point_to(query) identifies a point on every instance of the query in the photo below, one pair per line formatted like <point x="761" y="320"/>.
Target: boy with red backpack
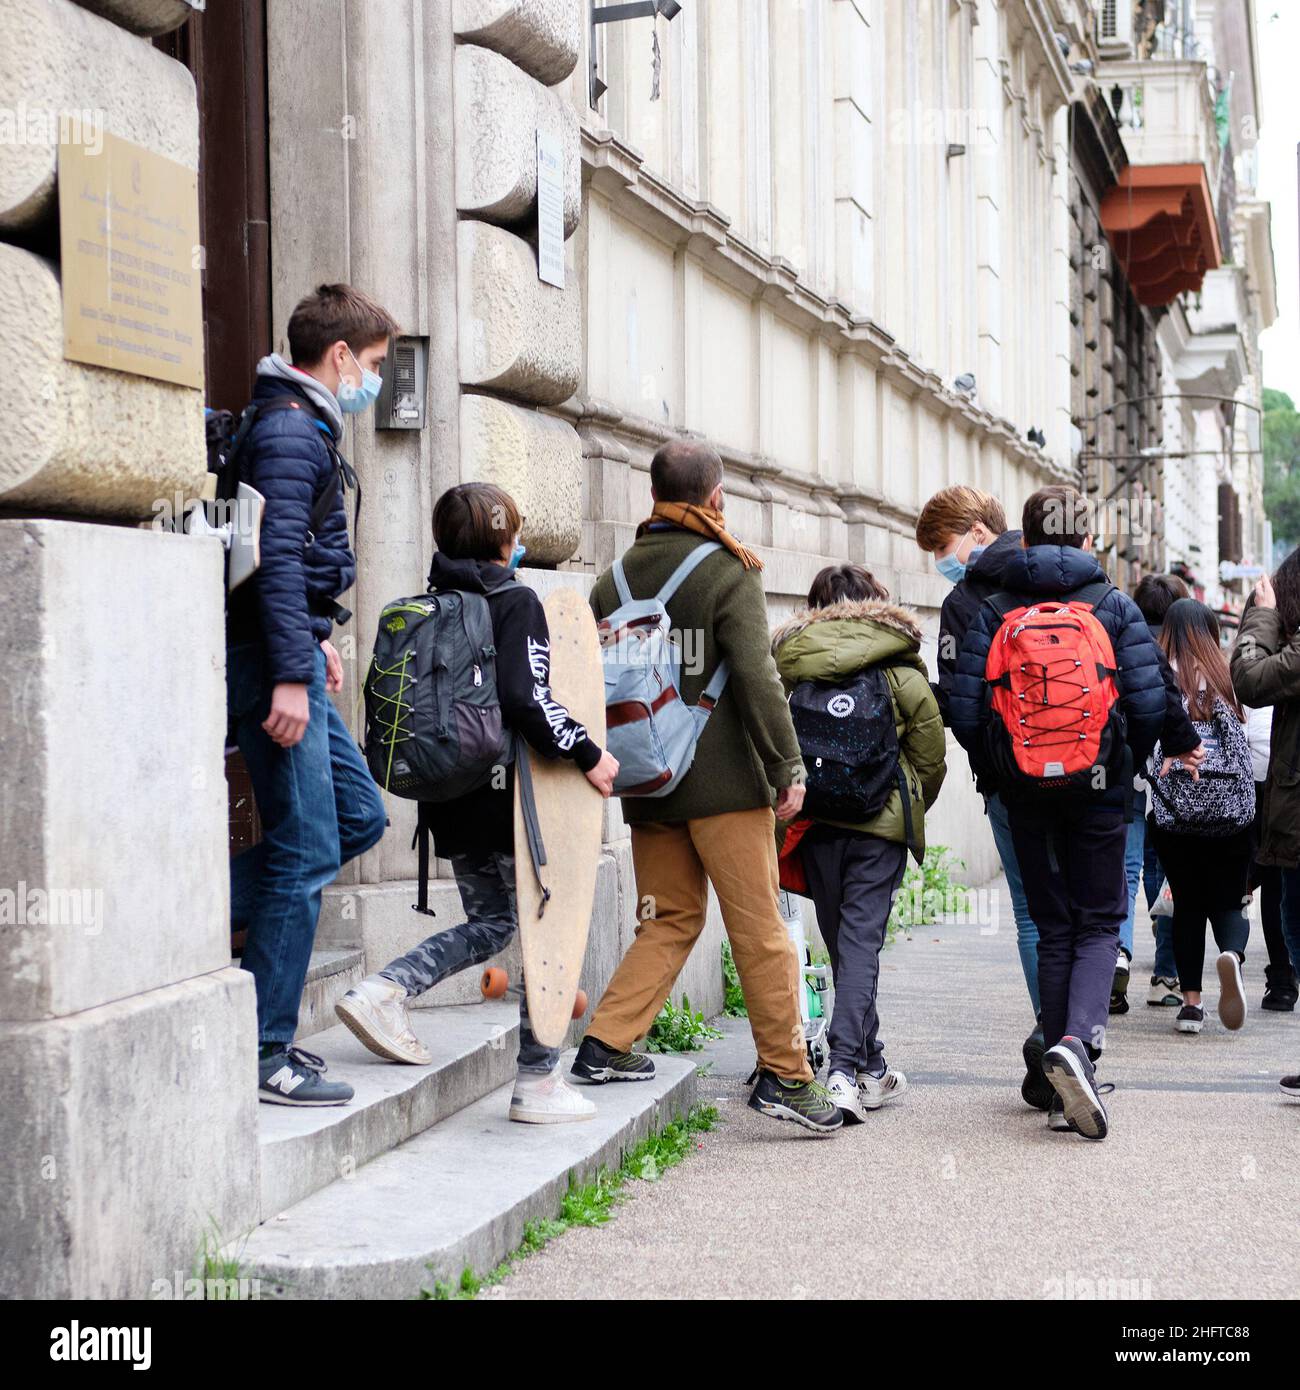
<point x="1058" y="696"/>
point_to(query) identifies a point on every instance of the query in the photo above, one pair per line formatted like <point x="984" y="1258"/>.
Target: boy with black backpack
<point x="476" y="527"/>
<point x="1058" y="696"/>
<point x="317" y="803"/>
<point x="873" y="743"/>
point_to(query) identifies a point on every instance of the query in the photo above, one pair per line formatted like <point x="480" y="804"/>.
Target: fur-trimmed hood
<point x="836" y="642"/>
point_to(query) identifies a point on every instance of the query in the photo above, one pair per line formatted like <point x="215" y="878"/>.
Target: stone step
<point x="304" y="1149"/>
<point x="329" y="977"/>
<point x="456" y="1196"/>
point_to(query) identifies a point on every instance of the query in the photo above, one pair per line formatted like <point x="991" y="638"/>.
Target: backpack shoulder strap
<point x="620" y="582"/>
<point x="683" y="571"/>
<point x="1092" y="594"/>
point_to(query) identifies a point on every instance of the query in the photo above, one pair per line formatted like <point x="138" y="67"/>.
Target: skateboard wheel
<point x="494" y="982"/>
<point x="580" y="1003"/>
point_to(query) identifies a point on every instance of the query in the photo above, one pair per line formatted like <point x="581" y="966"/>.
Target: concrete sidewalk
<point x="959" y="1190"/>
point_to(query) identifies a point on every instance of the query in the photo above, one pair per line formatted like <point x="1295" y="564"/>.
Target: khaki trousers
<point x="674" y="866"/>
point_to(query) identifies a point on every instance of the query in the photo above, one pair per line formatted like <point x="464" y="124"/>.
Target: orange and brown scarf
<point x="705" y="521"/>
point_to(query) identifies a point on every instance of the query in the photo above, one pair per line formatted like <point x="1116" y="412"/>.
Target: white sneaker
<point x="1232" y="993"/>
<point x="846" y="1098"/>
<point x="375" y="1012"/>
<point x="876" y="1091"/>
<point x="1164" y="992"/>
<point x="546" y="1098"/>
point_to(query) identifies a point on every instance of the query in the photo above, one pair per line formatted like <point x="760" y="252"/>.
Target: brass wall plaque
<point x="131" y="261"/>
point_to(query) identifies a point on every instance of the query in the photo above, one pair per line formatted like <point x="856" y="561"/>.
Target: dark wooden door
<point x="225" y="49"/>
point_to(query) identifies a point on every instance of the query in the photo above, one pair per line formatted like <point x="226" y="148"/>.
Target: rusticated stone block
<point x="85" y="439"/>
<point x="498" y="112"/>
<point x="543" y="36"/>
<point x="538" y="460"/>
<point x="65" y="69"/>
<point x="517" y="334"/>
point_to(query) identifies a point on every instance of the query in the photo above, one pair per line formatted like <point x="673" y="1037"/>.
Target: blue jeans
<point x="319" y="807"/>
<point x="1142" y="863"/>
<point x="1026" y="931"/>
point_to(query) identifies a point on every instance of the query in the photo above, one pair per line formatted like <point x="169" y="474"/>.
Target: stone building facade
<point x="848" y="241"/>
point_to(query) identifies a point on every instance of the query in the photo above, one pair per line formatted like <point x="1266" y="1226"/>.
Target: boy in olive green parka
<point x="854" y="871"/>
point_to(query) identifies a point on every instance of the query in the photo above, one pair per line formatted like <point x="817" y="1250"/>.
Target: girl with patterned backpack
<point x="1201" y="823"/>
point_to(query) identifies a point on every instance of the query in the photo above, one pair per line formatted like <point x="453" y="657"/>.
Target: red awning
<point x="1159" y="219"/>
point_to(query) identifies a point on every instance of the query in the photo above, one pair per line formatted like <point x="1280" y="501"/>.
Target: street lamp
<point x="616" y="14"/>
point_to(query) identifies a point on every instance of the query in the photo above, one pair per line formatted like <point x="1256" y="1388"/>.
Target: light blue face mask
<point x="951" y="568"/>
<point x="516" y="556"/>
<point x="354" y="399"/>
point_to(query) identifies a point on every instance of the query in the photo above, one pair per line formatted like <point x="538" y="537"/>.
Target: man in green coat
<point x="717" y="825"/>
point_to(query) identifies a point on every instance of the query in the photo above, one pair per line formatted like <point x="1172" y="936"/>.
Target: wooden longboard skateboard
<point x="569" y="813"/>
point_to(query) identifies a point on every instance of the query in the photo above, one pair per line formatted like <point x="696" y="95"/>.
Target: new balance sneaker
<point x="1073" y="1077"/>
<point x="803" y="1102"/>
<point x="1164" y="992"/>
<point x="290" y="1076"/>
<point x="375" y="1013"/>
<point x="1291" y="1085"/>
<point x="844" y="1094"/>
<point x="546" y="1098"/>
<point x="1191" y="1019"/>
<point x="1035" y="1089"/>
<point x="595" y="1064"/>
<point x="1232" y="992"/>
<point x="880" y="1090"/>
<point x="1119" y="985"/>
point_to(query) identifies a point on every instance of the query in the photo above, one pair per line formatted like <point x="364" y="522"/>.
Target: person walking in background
<point x="1153" y="596"/>
<point x="965" y="531"/>
<point x="716" y="826"/>
<point x="871" y="736"/>
<point x="1202" y="824"/>
<point x="1266" y="671"/>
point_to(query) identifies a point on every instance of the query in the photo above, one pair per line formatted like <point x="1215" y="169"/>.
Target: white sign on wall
<point x="550" y="210"/>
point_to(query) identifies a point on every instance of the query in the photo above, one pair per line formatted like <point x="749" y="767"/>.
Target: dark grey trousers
<point x="853" y="879"/>
<point x="487" y="892"/>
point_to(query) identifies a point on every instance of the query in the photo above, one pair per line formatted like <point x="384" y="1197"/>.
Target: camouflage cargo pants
<point x="487" y="891"/>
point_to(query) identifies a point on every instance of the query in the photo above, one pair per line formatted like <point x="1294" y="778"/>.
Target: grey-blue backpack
<point x="650" y="729"/>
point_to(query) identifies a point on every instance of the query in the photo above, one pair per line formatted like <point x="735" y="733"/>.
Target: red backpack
<point x="1054" y="720"/>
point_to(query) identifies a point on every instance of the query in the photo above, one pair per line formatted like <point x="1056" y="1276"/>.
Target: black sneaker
<point x="804" y="1102"/>
<point x="1280" y="993"/>
<point x="1191" y="1018"/>
<point x="1035" y="1089"/>
<point x="1073" y="1077"/>
<point x="1291" y="1085"/>
<point x="595" y="1064"/>
<point x="290" y="1076"/>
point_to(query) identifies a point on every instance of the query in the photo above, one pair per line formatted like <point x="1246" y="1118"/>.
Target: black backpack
<point x="434" y="729"/>
<point x="226" y="438"/>
<point x="850" y="748"/>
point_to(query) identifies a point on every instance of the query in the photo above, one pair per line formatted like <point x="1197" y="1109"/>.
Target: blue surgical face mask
<point x="953" y="569"/>
<point x="354" y="399"/>
<point x="516" y="556"/>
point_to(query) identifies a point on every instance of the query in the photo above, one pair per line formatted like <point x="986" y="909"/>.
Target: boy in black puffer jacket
<point x="318" y="804"/>
<point x="1071" y="852"/>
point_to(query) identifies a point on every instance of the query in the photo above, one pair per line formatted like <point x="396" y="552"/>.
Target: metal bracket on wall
<point x="615" y="14"/>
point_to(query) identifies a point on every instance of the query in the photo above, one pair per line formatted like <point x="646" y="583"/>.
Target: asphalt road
<point x="959" y="1189"/>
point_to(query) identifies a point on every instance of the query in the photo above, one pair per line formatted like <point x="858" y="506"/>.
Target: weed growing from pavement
<point x="928" y="892"/>
<point x="734" y="1005"/>
<point x="593" y="1203"/>
<point x="679" y="1029"/>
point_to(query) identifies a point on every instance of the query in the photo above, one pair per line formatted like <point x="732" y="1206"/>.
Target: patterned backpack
<point x="1223" y="800"/>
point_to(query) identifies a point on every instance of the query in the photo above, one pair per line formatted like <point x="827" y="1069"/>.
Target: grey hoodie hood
<point x="274" y="366"/>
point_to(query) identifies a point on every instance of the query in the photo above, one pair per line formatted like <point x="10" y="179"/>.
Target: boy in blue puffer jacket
<point x="1071" y="851"/>
<point x="318" y="804"/>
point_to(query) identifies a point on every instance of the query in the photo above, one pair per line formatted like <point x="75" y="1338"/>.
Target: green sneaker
<point x="805" y="1102"/>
